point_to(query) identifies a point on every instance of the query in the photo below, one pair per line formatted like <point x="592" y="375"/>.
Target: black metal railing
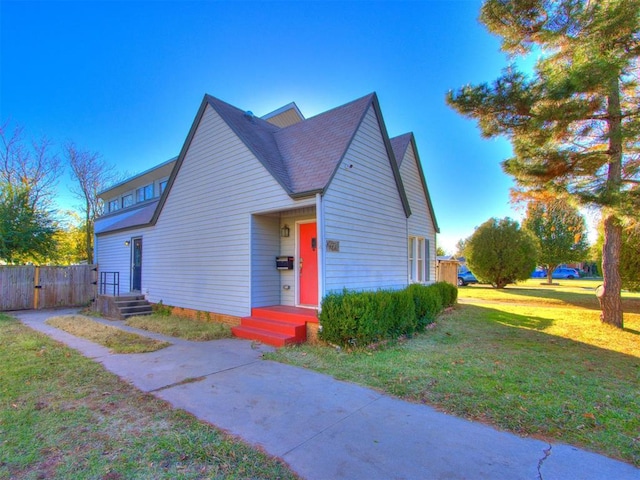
<point x="114" y="283"/>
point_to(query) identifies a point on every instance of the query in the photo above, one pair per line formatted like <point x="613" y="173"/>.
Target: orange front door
<point x="308" y="264"/>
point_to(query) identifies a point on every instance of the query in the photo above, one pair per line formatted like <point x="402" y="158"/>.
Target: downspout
<point x="320" y="234"/>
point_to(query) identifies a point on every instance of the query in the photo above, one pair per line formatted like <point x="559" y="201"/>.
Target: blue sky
<point x="125" y="78"/>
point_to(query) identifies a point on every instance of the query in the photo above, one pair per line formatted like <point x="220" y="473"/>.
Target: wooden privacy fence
<point x="27" y="287"/>
<point x="447" y="271"/>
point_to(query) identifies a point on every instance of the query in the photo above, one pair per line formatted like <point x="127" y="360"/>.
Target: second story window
<point x="114" y="205"/>
<point x="144" y="193"/>
<point x="127" y="201"/>
<point x="163" y="185"/>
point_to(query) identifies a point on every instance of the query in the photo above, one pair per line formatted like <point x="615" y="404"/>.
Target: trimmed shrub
<point x="448" y="292"/>
<point x="360" y="318"/>
<point x="428" y="303"/>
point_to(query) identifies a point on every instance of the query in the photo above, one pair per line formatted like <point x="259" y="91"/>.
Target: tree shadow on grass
<point x="594" y="380"/>
<point x="583" y="299"/>
<point x="515" y="320"/>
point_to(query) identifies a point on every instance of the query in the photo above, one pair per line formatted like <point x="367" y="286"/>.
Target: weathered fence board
<point x="26" y="287"/>
<point x="16" y="287"/>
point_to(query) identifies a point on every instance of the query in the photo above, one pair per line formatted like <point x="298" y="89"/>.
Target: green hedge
<point x="361" y="318"/>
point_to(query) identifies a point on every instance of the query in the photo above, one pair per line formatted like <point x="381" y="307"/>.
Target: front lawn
<point x="181" y="327"/>
<point x="533" y="360"/>
<point x="62" y="416"/>
<point x="115" y="339"/>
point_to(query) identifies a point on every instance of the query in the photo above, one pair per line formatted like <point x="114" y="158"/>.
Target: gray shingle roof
<point x="302" y="157"/>
<point x="399" y="145"/>
<point x="127" y="219"/>
<point x="258" y="135"/>
<point x="312" y="150"/>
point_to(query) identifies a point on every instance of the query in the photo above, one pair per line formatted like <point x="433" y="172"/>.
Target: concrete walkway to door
<point x="327" y="429"/>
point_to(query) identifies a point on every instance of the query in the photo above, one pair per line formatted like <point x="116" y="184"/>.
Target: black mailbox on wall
<point x="284" y="263"/>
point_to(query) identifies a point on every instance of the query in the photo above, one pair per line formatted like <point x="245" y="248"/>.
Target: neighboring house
<point x="344" y="205"/>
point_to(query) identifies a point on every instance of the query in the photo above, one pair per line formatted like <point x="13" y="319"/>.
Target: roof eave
<point x="392" y="159"/>
<point x="306" y="194"/>
<point x="424" y="184"/>
<point x="124" y="229"/>
<point x="247" y="144"/>
<point x="178" y="165"/>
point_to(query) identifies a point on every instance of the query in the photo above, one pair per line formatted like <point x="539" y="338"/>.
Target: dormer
<point x="285" y="116"/>
<point x="138" y="189"/>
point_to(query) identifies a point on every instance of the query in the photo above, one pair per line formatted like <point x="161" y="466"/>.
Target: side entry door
<point x="136" y="265"/>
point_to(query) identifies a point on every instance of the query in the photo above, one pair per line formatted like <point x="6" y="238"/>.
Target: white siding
<point x="114" y="256"/>
<point x="265" y="236"/>
<point x="420" y="223"/>
<point x="364" y="212"/>
<point x="198" y="255"/>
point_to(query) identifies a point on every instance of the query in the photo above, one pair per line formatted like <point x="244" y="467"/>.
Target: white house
<point x="272" y="212"/>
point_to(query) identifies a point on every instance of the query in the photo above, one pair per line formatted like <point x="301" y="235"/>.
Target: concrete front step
<point x="297" y="330"/>
<point x="277" y="326"/>
<point x="132" y="311"/>
<point x="270" y="338"/>
<point x="286" y="314"/>
<point x="132" y="306"/>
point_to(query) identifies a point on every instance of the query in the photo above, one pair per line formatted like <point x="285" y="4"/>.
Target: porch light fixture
<point x="284" y="231"/>
<point x="127" y="243"/>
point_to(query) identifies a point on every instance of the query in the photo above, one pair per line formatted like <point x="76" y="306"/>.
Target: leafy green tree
<point x="574" y="123"/>
<point x="460" y="245"/>
<point x="629" y="255"/>
<point x="499" y="252"/>
<point x="630" y="259"/>
<point x="561" y="231"/>
<point x="440" y="251"/>
<point x="26" y="232"/>
<point x="70" y="240"/>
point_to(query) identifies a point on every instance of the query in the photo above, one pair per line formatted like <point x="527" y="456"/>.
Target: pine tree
<point x="574" y="124"/>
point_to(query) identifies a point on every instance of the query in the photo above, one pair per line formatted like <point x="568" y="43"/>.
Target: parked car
<point x="563" y="272"/>
<point x="539" y="273"/>
<point x="558" y="273"/>
<point x="465" y="277"/>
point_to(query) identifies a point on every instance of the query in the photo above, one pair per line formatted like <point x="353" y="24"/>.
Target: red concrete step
<point x="277" y="325"/>
<point x="286" y="314"/>
<point x="297" y="330"/>
<point x="270" y="338"/>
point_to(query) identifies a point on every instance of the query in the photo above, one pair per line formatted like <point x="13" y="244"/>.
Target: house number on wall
<point x="333" y="246"/>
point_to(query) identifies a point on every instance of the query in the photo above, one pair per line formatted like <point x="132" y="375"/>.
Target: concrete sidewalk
<point x="327" y="429"/>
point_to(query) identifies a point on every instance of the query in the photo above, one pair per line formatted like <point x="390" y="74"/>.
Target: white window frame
<point x="418" y="259"/>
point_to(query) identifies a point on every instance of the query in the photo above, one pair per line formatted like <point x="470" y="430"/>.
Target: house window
<point x="418" y="259"/>
<point x="163" y="185"/>
<point x="127" y="200"/>
<point x="144" y="193"/>
<point x="114" y="205"/>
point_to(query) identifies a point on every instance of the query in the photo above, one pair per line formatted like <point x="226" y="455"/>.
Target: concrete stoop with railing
<point x="121" y="307"/>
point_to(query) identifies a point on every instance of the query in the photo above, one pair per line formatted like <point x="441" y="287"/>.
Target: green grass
<point x="579" y="293"/>
<point x="181" y="327"/>
<point x="534" y="364"/>
<point x="115" y="339"/>
<point x="63" y="416"/>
